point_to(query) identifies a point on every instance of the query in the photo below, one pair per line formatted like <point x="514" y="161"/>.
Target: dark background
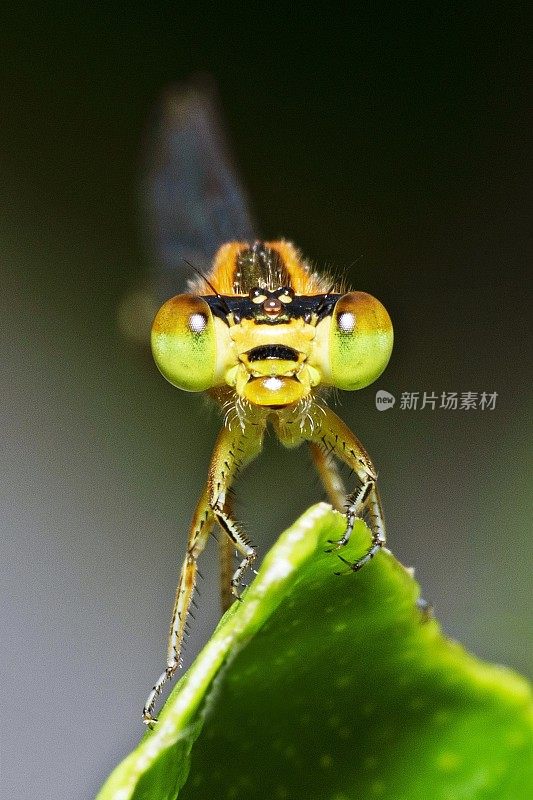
<point x="389" y="145"/>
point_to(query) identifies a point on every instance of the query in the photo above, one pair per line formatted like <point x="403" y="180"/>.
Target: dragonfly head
<point x="273" y="345"/>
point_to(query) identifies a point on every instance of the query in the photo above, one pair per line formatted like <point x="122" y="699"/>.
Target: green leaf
<point x="330" y="687"/>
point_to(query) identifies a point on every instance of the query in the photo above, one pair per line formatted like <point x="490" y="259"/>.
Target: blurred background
<point x="390" y="145"/>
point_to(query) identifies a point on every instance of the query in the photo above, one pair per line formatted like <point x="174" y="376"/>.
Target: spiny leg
<point x="329" y="475"/>
<point x="366" y="498"/>
<point x="242" y="544"/>
<point x="333" y="437"/>
<point x="226" y="554"/>
<point x="226" y="549"/>
<point x="233" y="450"/>
<point x="201" y="527"/>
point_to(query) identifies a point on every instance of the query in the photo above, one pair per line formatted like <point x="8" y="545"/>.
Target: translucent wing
<point x="192" y="193"/>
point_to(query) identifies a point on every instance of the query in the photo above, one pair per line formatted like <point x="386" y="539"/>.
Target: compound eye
<point x="184" y="343"/>
<point x="360" y="341"/>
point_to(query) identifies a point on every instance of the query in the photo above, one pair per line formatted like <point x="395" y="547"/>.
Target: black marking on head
<point x="301" y="307"/>
<point x="269" y="351"/>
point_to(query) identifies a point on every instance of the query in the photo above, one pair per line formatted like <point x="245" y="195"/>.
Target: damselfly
<point x="262" y="334"/>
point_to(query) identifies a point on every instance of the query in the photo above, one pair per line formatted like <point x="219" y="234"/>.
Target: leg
<point x="366" y="498"/>
<point x="234" y="449"/>
<point x="331" y="436"/>
<point x="226" y="548"/>
<point x="329" y="475"/>
<point x="232" y="452"/>
<point x="201" y="527"/>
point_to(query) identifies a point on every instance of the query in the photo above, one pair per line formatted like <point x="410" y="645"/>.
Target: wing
<point x="192" y="193"/>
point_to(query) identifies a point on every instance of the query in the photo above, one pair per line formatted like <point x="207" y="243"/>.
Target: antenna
<point x="204" y="278"/>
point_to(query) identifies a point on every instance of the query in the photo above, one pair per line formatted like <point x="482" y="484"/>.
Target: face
<point x="271" y="330"/>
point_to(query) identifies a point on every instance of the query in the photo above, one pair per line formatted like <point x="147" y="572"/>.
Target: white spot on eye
<point x="273" y="384"/>
<point x="197" y="323"/>
<point x="346" y="322"/>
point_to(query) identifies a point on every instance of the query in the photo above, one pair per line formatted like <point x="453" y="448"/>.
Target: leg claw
<point x="337" y="544"/>
<point x="238" y="590"/>
<point x="355" y="566"/>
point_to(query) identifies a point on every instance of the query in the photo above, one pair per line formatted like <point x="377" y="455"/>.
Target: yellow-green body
<point x="264" y="336"/>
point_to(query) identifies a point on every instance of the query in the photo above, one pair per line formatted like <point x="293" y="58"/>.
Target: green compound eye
<point x="184" y="343"/>
<point x="360" y="341"/>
